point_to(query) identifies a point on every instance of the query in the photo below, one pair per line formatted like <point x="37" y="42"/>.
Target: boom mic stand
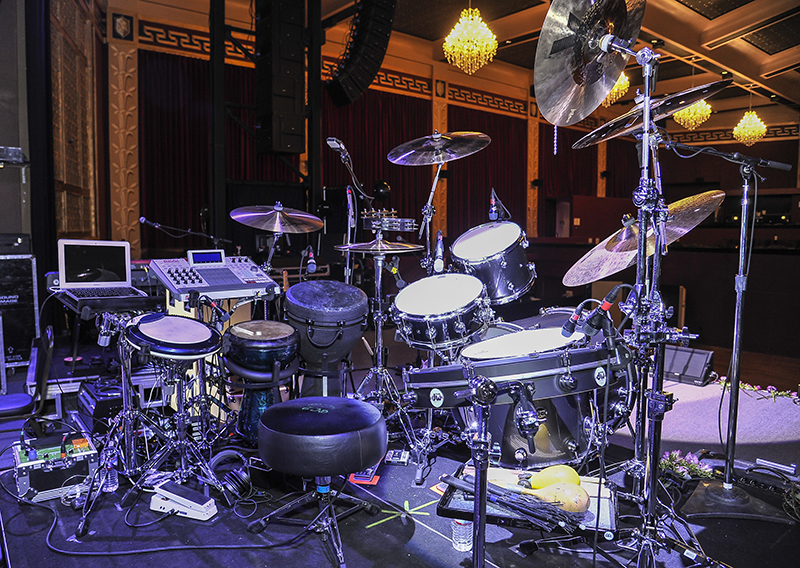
<point x="725" y="500"/>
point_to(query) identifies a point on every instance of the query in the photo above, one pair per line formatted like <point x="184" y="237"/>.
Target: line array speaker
<point x="366" y="49"/>
<point x="280" y="76"/>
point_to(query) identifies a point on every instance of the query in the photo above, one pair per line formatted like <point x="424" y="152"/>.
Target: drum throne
<point x="321" y="437"/>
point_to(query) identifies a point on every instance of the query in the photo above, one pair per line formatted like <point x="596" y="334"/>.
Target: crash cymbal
<point x="572" y="75"/>
<point x="619" y="251"/>
<point x="438" y="148"/>
<point x="684" y="215"/>
<point x="380" y="246"/>
<point x="661" y="109"/>
<point x="277" y="219"/>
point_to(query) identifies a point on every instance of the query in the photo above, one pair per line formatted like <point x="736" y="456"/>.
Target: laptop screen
<point x="93" y="264"/>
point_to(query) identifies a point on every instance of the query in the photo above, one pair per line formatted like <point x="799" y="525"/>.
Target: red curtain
<point x="622" y="165"/>
<point x="174" y="108"/>
<point x="502" y="165"/>
<point x="370" y="128"/>
<point x="568" y="172"/>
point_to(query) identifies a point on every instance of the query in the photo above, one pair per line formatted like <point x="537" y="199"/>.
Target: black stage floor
<point x="406" y="531"/>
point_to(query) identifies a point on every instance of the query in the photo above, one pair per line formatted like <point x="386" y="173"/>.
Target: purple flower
<point x="771" y="388"/>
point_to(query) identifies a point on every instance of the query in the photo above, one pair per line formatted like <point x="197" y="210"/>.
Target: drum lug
<point x="532" y="269"/>
<point x="524" y="244"/>
<point x="504" y="264"/>
<point x="460" y="327"/>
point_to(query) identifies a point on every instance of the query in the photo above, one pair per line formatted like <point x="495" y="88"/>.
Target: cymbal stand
<point x="427" y="215"/>
<point x="650" y="332"/>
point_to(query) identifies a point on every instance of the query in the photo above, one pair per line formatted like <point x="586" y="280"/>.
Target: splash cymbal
<point x="438" y="148"/>
<point x="661" y="109"/>
<point x="380" y="246"/>
<point x="619" y="251"/>
<point x="572" y="75"/>
<point x="277" y="219"/>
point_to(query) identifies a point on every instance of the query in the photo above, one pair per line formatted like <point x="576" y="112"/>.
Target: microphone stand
<point x="427" y="215"/>
<point x="183" y="232"/>
<point x="724" y="500"/>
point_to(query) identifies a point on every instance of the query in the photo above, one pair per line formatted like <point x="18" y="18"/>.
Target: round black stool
<point x="321" y="437"/>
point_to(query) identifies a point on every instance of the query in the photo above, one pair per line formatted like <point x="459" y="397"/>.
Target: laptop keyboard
<point x="114" y="292"/>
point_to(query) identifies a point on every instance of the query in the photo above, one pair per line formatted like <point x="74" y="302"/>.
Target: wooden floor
<point x="759" y="368"/>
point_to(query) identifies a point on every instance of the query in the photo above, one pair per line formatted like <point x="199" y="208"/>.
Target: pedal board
<point x="171" y="497"/>
<point x="366" y="476"/>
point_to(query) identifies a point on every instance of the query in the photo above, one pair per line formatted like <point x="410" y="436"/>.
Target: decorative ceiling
<point x="755" y="42"/>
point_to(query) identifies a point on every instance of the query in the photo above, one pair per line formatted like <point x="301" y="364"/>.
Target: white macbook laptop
<point x="92" y="269"/>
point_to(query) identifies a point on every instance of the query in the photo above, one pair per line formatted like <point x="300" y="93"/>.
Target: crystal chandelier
<point x="617" y="91"/>
<point x="470" y="44"/>
<point x="693" y="116"/>
<point x="750" y="129"/>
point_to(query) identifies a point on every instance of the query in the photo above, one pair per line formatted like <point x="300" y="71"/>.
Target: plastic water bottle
<point x="462" y="535"/>
<point x="111" y="482"/>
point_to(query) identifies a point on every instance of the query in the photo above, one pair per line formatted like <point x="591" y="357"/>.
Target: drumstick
<point x="369" y="349"/>
<point x="285" y="280"/>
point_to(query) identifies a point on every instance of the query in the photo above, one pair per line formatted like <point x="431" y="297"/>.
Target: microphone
<point x="337" y="145"/>
<point x="594" y="322"/>
<point x="311" y="267"/>
<point x="492" y="208"/>
<point x="223" y="315"/>
<point x="569" y="326"/>
<point x="438" y="260"/>
<point x="144" y="221"/>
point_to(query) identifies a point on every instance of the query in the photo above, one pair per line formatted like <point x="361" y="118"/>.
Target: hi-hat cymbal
<point x="619" y="251"/>
<point x="572" y="75"/>
<point x="277" y="219"/>
<point x="380" y="246"/>
<point x="438" y="148"/>
<point x="661" y="109"/>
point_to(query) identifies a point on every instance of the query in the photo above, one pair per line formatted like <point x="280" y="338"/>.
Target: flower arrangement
<point x="760" y="392"/>
<point x="686" y="467"/>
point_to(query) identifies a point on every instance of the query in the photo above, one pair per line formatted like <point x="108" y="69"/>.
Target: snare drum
<point x="442" y="311"/>
<point x="495" y="254"/>
<point x="172" y="337"/>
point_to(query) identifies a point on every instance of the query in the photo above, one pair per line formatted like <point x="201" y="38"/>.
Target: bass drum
<point x="572" y="425"/>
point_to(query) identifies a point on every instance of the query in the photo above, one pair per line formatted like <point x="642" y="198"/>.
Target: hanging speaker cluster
<point x="369" y="38"/>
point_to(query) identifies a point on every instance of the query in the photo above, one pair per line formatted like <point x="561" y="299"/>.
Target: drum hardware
<point x="277" y="220"/>
<point x="383" y="220"/>
<point x="436" y="149"/>
<point x="174" y="344"/>
<point x="178" y="233"/>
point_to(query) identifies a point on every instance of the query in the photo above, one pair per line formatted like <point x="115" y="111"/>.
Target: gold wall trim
<point x="497" y="103"/>
<point x="123" y="135"/>
<point x="158" y="36"/>
<point x="387" y="80"/>
<point x="780" y="132"/>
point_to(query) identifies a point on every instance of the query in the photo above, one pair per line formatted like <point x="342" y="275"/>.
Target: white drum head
<point x="486" y="240"/>
<point x="440" y="294"/>
<point x="176" y="330"/>
<point x="519" y="344"/>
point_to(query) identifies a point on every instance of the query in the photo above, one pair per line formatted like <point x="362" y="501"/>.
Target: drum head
<point x="261" y="330"/>
<point x="519" y="344"/>
<point x="440" y="294"/>
<point x="486" y="240"/>
<point x="173" y="337"/>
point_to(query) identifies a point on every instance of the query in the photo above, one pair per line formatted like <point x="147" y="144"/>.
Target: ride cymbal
<point x="572" y="75"/>
<point x="619" y="251"/>
<point x="438" y="148"/>
<point x="277" y="219"/>
<point x="661" y="109"/>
